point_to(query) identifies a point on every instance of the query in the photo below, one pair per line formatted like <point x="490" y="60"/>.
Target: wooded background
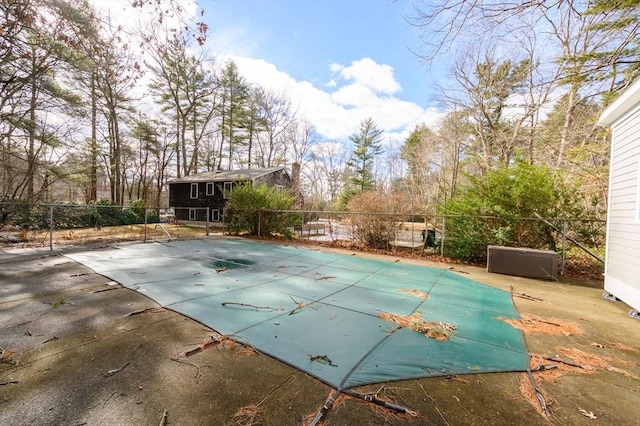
<point x="527" y="84"/>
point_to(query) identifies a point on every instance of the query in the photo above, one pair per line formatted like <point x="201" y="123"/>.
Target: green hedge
<point x="69" y="216"/>
<point x="490" y="210"/>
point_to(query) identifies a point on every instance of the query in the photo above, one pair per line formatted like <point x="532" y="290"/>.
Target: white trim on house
<point x="193" y="194"/>
<point x="215" y="215"/>
<point x="227" y="189"/>
<point x="210" y="188"/>
<point x="637" y="217"/>
<point x="623" y="291"/>
<point x="627" y="100"/>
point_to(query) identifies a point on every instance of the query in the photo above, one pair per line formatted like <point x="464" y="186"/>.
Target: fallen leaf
<point x="588" y="414"/>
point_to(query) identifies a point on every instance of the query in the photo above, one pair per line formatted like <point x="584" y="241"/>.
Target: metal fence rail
<point x="55" y="225"/>
<point x="572" y="239"/>
<point x="577" y="242"/>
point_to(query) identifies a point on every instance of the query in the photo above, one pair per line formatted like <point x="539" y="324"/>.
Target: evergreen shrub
<point x="249" y="209"/>
<point x="501" y="208"/>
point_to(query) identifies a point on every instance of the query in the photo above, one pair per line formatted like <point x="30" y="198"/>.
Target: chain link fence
<point x="55" y="225"/>
<point x="579" y="243"/>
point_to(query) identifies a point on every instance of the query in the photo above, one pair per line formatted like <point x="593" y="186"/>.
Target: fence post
<point x="145" y="225"/>
<point x="259" y="221"/>
<point x="224" y="224"/>
<point x="51" y="227"/>
<point x="412" y="227"/>
<point x="207" y="225"/>
<point x="443" y="234"/>
<point x="564" y="243"/>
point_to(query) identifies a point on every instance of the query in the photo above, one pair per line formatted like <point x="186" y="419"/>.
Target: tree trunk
<point x="194" y="156"/>
<point x="182" y="136"/>
<point x="566" y="126"/>
<point x="250" y="148"/>
<point x="178" y="169"/>
<point x="220" y="148"/>
<point x="116" y="160"/>
<point x="31" y="161"/>
<point x="93" y="172"/>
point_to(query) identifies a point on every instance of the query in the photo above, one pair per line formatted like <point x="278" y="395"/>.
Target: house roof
<point x="627" y="100"/>
<point x="227" y="175"/>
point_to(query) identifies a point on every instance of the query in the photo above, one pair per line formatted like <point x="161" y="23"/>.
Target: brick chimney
<point x="295" y="185"/>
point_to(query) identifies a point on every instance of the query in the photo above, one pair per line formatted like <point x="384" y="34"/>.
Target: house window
<point x="192" y="214"/>
<point x="215" y="215"/>
<point x="194" y="190"/>
<point x="209" y="188"/>
<point x="228" y="187"/>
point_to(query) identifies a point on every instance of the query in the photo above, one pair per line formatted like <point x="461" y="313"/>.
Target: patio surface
<point x="79" y="351"/>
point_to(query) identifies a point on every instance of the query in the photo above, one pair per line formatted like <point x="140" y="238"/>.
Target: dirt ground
<point x="80" y="350"/>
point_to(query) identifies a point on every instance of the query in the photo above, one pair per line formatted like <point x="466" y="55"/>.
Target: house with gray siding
<point x="622" y="263"/>
<point x="191" y="195"/>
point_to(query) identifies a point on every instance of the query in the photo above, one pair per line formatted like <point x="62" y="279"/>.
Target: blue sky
<point x="302" y="38"/>
<point x="340" y="61"/>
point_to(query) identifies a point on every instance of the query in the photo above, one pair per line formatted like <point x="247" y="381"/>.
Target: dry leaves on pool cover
<point x="434" y="329"/>
<point x="417" y="293"/>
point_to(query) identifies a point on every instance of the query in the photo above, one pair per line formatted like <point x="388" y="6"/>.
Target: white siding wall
<point x="622" y="270"/>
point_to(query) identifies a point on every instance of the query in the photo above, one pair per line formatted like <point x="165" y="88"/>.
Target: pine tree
<point x="232" y="109"/>
<point x="367" y="144"/>
<point x="182" y="86"/>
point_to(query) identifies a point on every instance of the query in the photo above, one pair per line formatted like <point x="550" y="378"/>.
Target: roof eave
<point x="627" y="100"/>
<point x="194" y="179"/>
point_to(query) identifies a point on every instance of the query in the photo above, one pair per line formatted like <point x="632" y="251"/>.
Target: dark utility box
<point x="523" y="262"/>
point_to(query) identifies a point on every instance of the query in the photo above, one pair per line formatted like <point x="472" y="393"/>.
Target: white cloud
<point x="430" y="117"/>
<point x="135" y="19"/>
<point x="517" y="103"/>
<point x="131" y="22"/>
<point x="337" y="114"/>
<point x="354" y="95"/>
<point x="336" y="68"/>
<point x="366" y="72"/>
<point x="354" y="92"/>
<point x="334" y="149"/>
<point x="237" y="39"/>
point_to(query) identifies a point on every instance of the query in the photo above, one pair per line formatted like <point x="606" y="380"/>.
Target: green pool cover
<point x="321" y="312"/>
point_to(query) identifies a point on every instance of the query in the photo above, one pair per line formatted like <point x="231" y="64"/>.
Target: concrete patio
<point x="78" y="349"/>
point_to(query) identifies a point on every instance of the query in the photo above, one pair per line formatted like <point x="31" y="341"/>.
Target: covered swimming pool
<point x="346" y="319"/>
